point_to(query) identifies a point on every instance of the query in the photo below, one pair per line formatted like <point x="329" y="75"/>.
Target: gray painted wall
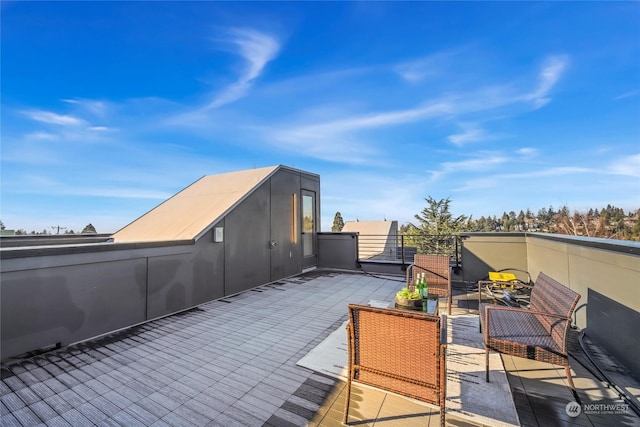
<point x="246" y="242"/>
<point x="65" y="298"/>
<point x="65" y="304"/>
<point x="179" y="281"/>
<point x="338" y="250"/>
<point x="68" y="294"/>
<point x="616" y="325"/>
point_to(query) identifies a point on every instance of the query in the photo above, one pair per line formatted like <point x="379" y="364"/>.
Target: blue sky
<point x="109" y="108"/>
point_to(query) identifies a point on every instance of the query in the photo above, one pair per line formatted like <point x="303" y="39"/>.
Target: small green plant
<point x="404" y="293"/>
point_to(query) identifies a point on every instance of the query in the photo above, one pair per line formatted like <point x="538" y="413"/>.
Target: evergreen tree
<point x="437" y="224"/>
<point x="436" y="218"/>
<point x="338" y="223"/>
<point x="89" y="229"/>
<point x="520" y="221"/>
<point x="543" y="214"/>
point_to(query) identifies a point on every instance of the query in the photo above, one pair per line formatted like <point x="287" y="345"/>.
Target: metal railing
<point x="401" y="248"/>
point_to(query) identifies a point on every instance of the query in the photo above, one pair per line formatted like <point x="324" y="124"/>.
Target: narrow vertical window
<point x="294" y="219"/>
<point x="308" y="224"/>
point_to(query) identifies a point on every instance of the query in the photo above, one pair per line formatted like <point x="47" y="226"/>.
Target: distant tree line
<point x="609" y="222"/>
<point x="88" y="229"/>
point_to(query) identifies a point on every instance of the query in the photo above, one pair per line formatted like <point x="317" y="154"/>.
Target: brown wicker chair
<point x="437" y="269"/>
<point x="399" y="351"/>
<point x="538" y="333"/>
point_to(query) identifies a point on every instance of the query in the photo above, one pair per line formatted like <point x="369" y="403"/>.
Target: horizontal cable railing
<point x="402" y="248"/>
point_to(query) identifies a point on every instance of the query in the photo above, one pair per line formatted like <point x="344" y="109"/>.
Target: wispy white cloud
<point x="39" y="184"/>
<point x="489" y="173"/>
<point x="53" y="118"/>
<point x="480" y="162"/>
<point x="315" y="82"/>
<point x="477" y="164"/>
<point x="119" y="193"/>
<point x="527" y="152"/>
<point x="478" y="183"/>
<point x="491" y="179"/>
<point x="383" y="198"/>
<point x="548" y="172"/>
<point x="41" y="136"/>
<point x="321" y="136"/>
<point x="325" y="146"/>
<point x="257" y="49"/>
<point x="628" y="94"/>
<point x="318" y="132"/>
<point x="92" y="106"/>
<point x="453" y="106"/>
<point x="375" y="120"/>
<point x="324" y="139"/>
<point x="629" y="166"/>
<point x="424" y="68"/>
<point x="362" y="122"/>
<point x="470" y="134"/>
<point x="549" y="76"/>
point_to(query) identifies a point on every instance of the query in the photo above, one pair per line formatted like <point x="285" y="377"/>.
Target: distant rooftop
<point x="381" y="236"/>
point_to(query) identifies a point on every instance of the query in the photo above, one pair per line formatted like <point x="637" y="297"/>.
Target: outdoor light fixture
<point x="218" y="234"/>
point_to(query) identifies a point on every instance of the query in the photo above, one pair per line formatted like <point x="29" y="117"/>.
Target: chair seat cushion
<point x="515" y="328"/>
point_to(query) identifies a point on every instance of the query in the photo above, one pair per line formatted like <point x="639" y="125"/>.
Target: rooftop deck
<point x="232" y="362"/>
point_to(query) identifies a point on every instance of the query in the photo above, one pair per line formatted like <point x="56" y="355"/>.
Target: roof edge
<point x="276" y="169"/>
<point x="240" y="200"/>
<point x="158" y="205"/>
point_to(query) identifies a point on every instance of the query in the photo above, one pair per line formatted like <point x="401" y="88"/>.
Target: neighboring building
<point x="377" y="240"/>
<point x="221" y="235"/>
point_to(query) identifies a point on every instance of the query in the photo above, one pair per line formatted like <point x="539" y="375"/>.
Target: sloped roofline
<point x="269" y="172"/>
<point x="158" y="205"/>
<point x="237" y="203"/>
<point x="247" y="194"/>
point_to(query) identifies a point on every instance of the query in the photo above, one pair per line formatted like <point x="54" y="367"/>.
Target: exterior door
<point x="309" y="228"/>
<point x="285" y="246"/>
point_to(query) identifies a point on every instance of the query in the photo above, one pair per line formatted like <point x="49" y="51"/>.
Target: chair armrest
<point x="443" y="330"/>
<point x="524" y="311"/>
<point x="350" y="352"/>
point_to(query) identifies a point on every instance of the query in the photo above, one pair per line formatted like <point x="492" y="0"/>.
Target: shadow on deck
<point x="232" y="362"/>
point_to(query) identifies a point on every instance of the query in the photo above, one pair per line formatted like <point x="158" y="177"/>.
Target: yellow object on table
<point x="495" y="276"/>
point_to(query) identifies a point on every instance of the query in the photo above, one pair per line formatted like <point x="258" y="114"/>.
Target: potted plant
<point x="409" y="299"/>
